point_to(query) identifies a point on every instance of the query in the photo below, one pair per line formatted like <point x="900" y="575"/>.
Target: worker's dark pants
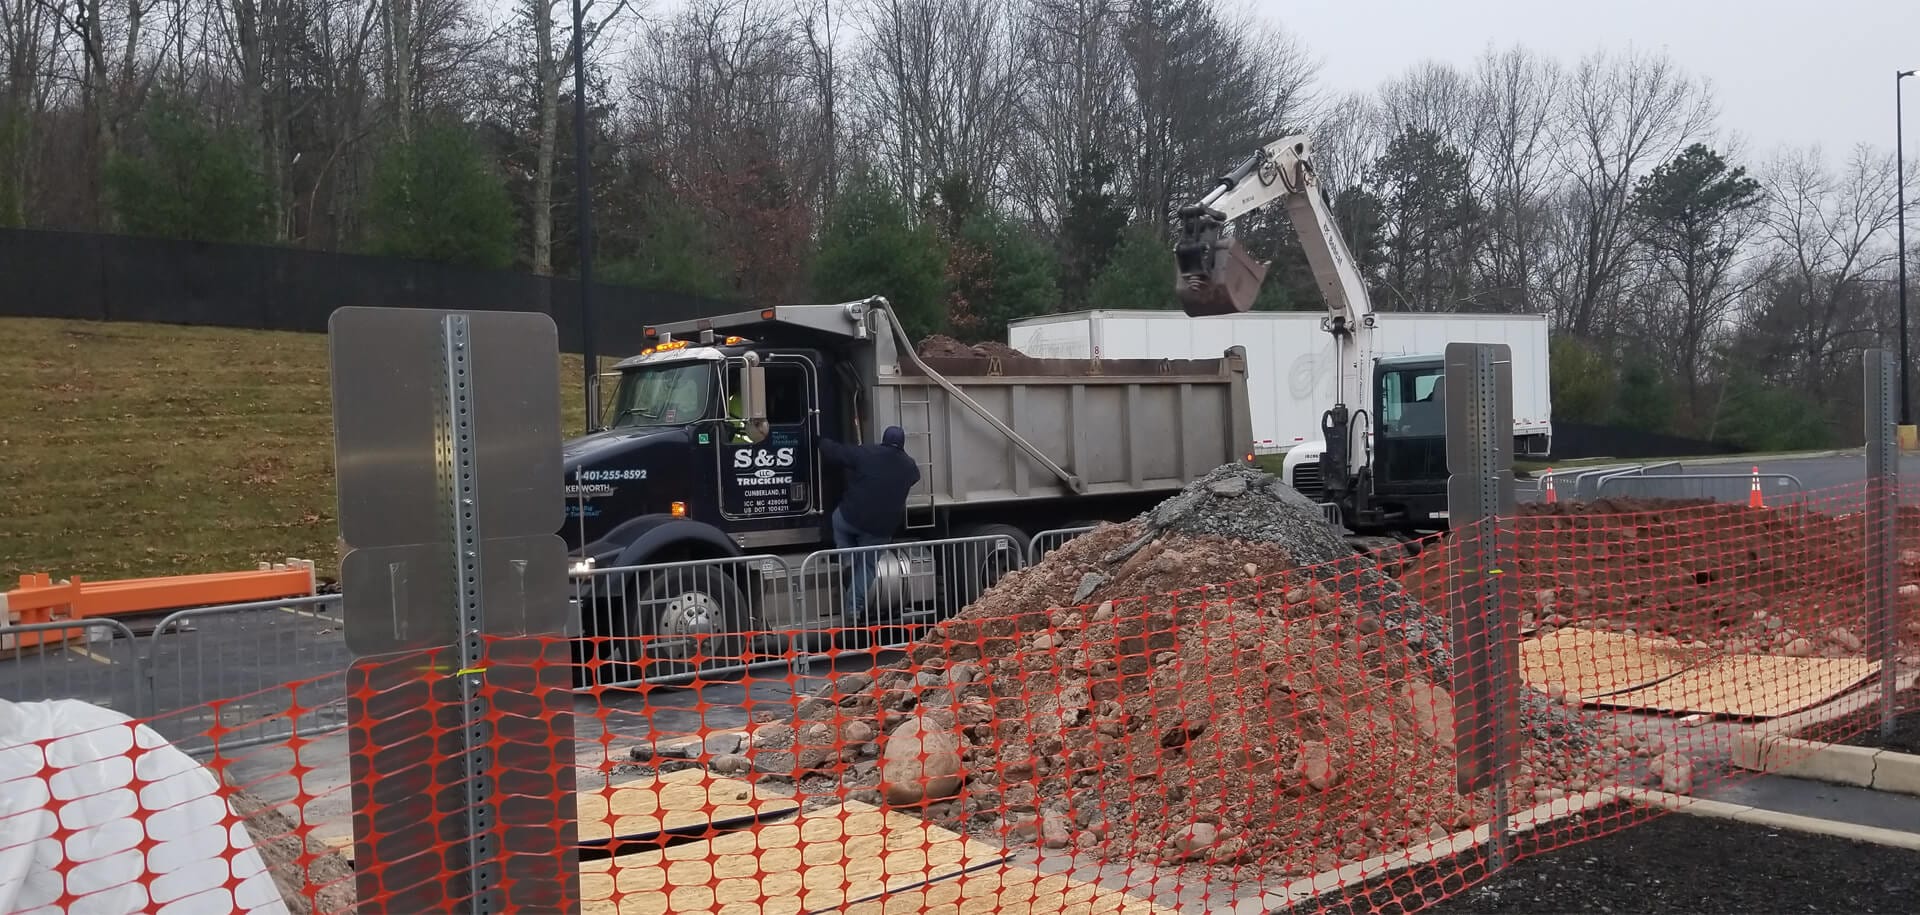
<point x="845" y="536"/>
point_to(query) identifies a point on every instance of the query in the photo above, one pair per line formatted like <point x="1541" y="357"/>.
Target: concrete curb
<point x="1762" y="817"/>
<point x="1771" y="748"/>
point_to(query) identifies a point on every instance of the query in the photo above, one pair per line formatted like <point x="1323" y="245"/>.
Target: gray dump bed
<point x="1013" y="428"/>
<point x="1100" y="426"/>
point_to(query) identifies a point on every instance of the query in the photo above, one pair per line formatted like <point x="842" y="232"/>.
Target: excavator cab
<point x="1216" y="275"/>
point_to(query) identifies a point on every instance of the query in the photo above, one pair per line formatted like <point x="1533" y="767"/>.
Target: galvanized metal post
<point x="1883" y="492"/>
<point x="1486" y="626"/>
<point x="460" y="722"/>
<point x="459" y="483"/>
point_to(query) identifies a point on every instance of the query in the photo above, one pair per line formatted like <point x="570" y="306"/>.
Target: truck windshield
<point x="1412" y="402"/>
<point x="663" y="395"/>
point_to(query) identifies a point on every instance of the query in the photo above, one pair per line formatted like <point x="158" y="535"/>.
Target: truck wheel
<point x="689" y="620"/>
<point x="981" y="566"/>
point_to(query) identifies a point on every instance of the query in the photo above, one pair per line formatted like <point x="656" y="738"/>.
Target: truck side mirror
<point x="753" y="400"/>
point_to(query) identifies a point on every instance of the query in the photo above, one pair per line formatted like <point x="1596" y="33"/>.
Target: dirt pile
<point x="941" y="346"/>
<point x="298" y="865"/>
<point x="1285" y="718"/>
<point x="1741" y="580"/>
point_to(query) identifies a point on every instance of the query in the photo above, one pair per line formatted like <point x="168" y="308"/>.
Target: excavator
<point x="1381" y="465"/>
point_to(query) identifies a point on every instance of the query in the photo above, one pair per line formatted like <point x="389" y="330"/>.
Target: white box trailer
<point x="1290" y="362"/>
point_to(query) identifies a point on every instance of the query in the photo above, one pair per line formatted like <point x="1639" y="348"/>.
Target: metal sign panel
<point x="447" y="440"/>
<point x="386" y="380"/>
<point x="393" y="447"/>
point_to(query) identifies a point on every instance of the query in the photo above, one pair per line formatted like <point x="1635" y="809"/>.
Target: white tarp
<point x="147" y="834"/>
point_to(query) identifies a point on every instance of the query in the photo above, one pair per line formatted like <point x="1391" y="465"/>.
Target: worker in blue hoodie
<point x="872" y="506"/>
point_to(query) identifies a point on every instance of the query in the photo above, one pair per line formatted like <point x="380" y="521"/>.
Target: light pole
<point x="583" y="219"/>
<point x="1900" y="236"/>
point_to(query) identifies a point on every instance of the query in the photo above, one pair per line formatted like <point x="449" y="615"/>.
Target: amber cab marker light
<point x="679" y="509"/>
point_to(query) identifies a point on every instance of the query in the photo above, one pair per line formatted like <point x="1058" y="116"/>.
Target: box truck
<point x="1290" y="370"/>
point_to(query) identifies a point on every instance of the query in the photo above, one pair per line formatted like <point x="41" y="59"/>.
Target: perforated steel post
<point x="459" y="719"/>
<point x="1486" y="627"/>
<point x="1883" y="488"/>
<point x="460" y="483"/>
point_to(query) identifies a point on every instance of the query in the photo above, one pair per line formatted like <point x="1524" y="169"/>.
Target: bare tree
<point x="550" y="65"/>
<point x="1072" y="114"/>
<point x="27" y="44"/>
<point x="820" y="25"/>
<point x="945" y="83"/>
<point x="721" y="109"/>
<point x="1208" y="87"/>
<point x="1832" y="235"/>
<point x="1622" y="113"/>
<point x="1518" y="92"/>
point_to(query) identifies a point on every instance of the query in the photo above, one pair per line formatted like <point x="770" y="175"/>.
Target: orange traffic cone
<point x="1552" y="496"/>
<point x="1754" y="498"/>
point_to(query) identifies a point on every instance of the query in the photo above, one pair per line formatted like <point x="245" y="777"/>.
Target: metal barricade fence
<point x="97" y="661"/>
<point x="1045" y="542"/>
<point x="219" y="676"/>
<point x="1589" y="485"/>
<point x="901" y="587"/>
<point x="672" y="621"/>
<point x="1783" y="488"/>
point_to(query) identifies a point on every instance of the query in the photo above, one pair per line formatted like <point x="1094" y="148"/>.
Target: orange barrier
<point x="40" y="599"/>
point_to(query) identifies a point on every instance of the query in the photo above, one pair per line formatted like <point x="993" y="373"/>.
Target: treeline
<point x="975" y="161"/>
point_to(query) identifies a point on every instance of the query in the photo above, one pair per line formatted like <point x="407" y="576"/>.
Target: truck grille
<point x="1306" y="479"/>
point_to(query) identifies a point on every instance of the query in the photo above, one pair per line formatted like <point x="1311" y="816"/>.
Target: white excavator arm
<point x="1217" y="275"/>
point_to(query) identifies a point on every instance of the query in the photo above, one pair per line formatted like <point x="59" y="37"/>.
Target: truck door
<point x="778" y="477"/>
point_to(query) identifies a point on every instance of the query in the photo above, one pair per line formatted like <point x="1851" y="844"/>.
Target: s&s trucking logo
<point x="763" y="479"/>
<point x="765" y="462"/>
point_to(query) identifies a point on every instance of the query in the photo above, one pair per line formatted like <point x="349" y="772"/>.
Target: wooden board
<point x="1007" y="889"/>
<point x="674" y="800"/>
<point x="817" y="861"/>
<point x="1749" y="686"/>
<point x="1591" y="663"/>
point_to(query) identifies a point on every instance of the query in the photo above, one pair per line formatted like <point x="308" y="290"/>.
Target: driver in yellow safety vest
<point x="736" y="420"/>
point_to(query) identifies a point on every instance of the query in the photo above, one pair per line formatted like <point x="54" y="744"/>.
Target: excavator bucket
<point x="1220" y="279"/>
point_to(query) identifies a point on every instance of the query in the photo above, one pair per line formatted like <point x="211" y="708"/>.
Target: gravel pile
<point x="1271" y="704"/>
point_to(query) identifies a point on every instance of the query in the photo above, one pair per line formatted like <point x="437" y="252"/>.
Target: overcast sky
<point x="1784" y="71"/>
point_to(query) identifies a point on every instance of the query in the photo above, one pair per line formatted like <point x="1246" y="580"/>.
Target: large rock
<point x="1432" y="711"/>
<point x="919" y="762"/>
<point x="1316" y="766"/>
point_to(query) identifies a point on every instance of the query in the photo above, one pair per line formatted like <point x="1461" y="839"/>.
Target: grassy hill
<point x="142" y="449"/>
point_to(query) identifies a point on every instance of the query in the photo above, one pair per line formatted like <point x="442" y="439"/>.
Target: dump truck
<point x="711" y="450"/>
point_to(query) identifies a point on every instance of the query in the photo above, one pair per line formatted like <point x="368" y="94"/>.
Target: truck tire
<point x="977" y="569"/>
<point x="687" y="621"/>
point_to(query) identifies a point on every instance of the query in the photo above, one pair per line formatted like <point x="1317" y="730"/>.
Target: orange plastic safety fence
<point x="1211" y="726"/>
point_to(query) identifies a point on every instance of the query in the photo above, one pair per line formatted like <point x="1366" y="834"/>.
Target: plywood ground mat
<point x="1007" y="889"/>
<point x="1615" y="670"/>
<point x="824" y="859"/>
<point x="1748" y="686"/>
<point x="675" y="801"/>
<point x="1591" y="663"/>
<point x="682" y="801"/>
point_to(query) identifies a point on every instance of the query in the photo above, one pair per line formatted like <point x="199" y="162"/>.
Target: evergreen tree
<point x="869" y="247"/>
<point x="437" y="198"/>
<point x="185" y="179"/>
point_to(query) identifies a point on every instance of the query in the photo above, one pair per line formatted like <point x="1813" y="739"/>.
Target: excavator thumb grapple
<point x="1216" y="275"/>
